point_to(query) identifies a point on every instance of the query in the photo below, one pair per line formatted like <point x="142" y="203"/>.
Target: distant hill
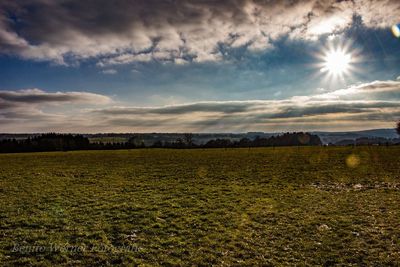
<point x="339" y="137"/>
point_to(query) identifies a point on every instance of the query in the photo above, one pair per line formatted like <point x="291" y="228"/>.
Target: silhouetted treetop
<point x="66" y="142"/>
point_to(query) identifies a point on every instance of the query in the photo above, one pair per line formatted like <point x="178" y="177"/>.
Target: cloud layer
<point x="121" y="32"/>
<point x="362" y="106"/>
<point x="37" y="96"/>
<point x="37" y="110"/>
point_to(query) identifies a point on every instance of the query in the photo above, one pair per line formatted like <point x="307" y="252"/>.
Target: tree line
<point x="287" y="139"/>
<point x="68" y="142"/>
<point x="398" y="128"/>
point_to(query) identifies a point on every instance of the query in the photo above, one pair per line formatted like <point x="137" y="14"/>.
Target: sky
<point x="198" y="66"/>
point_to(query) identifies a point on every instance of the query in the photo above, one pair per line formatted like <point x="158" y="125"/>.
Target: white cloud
<point x="125" y="59"/>
<point x="374" y="90"/>
<point x="141" y="31"/>
<point x="109" y="71"/>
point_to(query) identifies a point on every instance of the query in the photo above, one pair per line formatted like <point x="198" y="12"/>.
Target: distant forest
<point x="68" y="142"/>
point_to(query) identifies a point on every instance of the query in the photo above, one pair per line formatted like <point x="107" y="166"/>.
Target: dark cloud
<point x="36" y="96"/>
<point x="338" y="107"/>
<point x="254" y="109"/>
<point x="6" y="104"/>
<point x="223" y="107"/>
<point x="121" y="31"/>
<point x="28" y="114"/>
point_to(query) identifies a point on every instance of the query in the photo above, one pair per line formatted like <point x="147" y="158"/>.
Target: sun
<point x="336" y="62"/>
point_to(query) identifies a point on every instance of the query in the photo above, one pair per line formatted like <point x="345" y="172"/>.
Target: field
<point x="234" y="207"/>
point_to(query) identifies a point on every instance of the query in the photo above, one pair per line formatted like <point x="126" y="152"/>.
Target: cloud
<point x="37" y="96"/>
<point x="372" y="90"/>
<point x="208" y="107"/>
<point x="125" y="59"/>
<point x="122" y="32"/>
<point x="321" y="108"/>
<point x="361" y="106"/>
<point x="258" y="109"/>
<point x="35" y="110"/>
<point x="109" y="71"/>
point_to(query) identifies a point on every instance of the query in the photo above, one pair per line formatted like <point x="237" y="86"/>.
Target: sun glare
<point x="336" y="62"/>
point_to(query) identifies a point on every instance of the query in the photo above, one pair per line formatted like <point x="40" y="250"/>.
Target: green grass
<point x="283" y="206"/>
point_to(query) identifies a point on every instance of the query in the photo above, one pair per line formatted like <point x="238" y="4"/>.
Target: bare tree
<point x="398" y="128"/>
<point x="188" y="139"/>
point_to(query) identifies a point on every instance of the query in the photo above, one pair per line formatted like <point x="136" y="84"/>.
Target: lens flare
<point x="352" y="161"/>
<point x="396" y="30"/>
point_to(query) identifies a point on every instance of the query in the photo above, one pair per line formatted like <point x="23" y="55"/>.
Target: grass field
<point x="283" y="206"/>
